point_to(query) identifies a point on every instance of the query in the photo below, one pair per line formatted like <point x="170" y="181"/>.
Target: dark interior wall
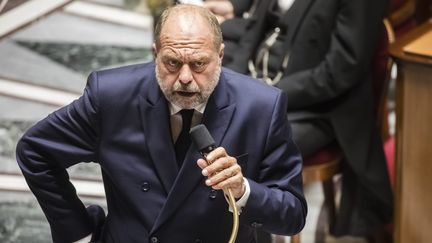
<point x="423" y="10"/>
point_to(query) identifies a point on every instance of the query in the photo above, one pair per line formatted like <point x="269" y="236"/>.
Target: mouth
<point x="185" y="93"/>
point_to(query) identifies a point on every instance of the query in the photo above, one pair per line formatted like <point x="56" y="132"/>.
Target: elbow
<point x="21" y="153"/>
<point x="300" y="217"/>
<point x="26" y="157"/>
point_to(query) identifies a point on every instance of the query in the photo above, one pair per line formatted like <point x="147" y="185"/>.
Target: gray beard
<point x="188" y="103"/>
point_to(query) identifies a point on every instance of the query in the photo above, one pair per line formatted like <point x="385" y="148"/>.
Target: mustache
<point x="179" y="87"/>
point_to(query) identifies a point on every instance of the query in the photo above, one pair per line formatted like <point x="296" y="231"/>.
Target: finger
<point x="235" y="183"/>
<point x="215" y="154"/>
<point x="220" y="164"/>
<point x="202" y="163"/>
<point x="224" y="175"/>
<point x="220" y="19"/>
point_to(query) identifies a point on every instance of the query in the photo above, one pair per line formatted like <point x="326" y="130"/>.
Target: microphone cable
<point x="205" y="143"/>
<point x="232" y="203"/>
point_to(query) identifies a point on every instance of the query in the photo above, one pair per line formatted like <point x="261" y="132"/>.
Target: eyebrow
<point x="201" y="58"/>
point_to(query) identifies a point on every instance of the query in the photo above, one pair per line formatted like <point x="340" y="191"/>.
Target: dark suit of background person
<point x="328" y="81"/>
<point x="233" y="29"/>
<point x="122" y="122"/>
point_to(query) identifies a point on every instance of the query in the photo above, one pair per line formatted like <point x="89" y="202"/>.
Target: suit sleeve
<point x="64" y="138"/>
<point x="276" y="202"/>
<point x="348" y="57"/>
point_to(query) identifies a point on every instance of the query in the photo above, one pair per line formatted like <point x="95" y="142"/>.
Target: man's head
<point x="189" y="50"/>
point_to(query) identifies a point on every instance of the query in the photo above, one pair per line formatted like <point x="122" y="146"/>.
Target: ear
<point x="221" y="51"/>
<point x="154" y="50"/>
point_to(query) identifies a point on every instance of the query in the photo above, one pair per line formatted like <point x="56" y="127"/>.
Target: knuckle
<point x="227" y="162"/>
<point x="222" y="150"/>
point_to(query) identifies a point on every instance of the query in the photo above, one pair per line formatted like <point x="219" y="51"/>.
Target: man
<point x="127" y="121"/>
<point x="319" y="52"/>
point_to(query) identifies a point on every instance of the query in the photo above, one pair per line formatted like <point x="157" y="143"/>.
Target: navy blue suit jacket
<point x="122" y="122"/>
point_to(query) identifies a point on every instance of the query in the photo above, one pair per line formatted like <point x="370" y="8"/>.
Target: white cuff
<point x="243" y="200"/>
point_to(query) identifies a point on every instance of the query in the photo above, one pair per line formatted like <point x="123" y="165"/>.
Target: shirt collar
<point x="174" y="109"/>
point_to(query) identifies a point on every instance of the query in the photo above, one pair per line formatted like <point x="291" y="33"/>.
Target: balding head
<point x="188" y="17"/>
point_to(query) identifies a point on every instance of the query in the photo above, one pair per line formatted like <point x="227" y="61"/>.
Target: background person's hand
<point x="223" y="9"/>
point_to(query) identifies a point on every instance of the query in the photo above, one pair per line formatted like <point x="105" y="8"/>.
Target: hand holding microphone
<point x="222" y="170"/>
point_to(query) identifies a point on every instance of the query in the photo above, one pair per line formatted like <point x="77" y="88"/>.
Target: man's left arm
<point x="276" y="203"/>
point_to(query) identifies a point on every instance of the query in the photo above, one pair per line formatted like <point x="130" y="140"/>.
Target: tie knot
<point x="186" y="118"/>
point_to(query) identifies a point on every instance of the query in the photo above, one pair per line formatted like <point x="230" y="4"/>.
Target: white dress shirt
<point x="284" y="5"/>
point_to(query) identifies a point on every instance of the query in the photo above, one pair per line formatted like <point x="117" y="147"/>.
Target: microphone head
<point x="202" y="138"/>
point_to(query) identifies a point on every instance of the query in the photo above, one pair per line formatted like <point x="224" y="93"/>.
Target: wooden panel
<point x="413" y="216"/>
<point x="415" y="158"/>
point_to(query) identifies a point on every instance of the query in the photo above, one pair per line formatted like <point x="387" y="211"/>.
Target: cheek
<point x="166" y="76"/>
<point x="202" y="79"/>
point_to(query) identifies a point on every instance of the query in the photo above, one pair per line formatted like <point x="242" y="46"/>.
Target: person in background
<point x="236" y="18"/>
<point x="134" y="121"/>
<point x="319" y="53"/>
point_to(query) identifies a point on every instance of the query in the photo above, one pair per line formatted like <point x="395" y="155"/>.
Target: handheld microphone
<point x="202" y="139"/>
<point x="205" y="143"/>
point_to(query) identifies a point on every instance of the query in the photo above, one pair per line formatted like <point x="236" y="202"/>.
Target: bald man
<point x="132" y="121"/>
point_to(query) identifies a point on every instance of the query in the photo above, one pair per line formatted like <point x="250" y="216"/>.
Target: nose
<point x="185" y="75"/>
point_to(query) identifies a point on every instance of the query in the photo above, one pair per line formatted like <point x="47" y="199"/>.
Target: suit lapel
<point x="217" y="117"/>
<point x="155" y="119"/>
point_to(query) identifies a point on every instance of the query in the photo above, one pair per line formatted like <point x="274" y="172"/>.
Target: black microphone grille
<point x="201" y="137"/>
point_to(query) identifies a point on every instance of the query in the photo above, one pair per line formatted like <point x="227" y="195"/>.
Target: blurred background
<point x="47" y="50"/>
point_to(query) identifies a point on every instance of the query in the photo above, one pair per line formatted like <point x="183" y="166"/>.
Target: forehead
<point x="188" y="31"/>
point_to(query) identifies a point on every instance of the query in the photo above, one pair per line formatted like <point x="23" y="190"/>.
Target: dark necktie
<point x="183" y="141"/>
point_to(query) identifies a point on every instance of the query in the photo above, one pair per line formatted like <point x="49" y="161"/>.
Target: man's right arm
<point x="66" y="137"/>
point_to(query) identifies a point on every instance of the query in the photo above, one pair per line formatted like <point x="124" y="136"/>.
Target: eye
<point x="173" y="63"/>
<point x="198" y="65"/>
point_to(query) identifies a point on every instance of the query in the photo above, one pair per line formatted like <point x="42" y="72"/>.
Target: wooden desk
<point x="413" y="192"/>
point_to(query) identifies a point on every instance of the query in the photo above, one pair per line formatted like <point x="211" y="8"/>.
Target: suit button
<point x="154" y="239"/>
<point x="213" y="194"/>
<point x="145" y="187"/>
